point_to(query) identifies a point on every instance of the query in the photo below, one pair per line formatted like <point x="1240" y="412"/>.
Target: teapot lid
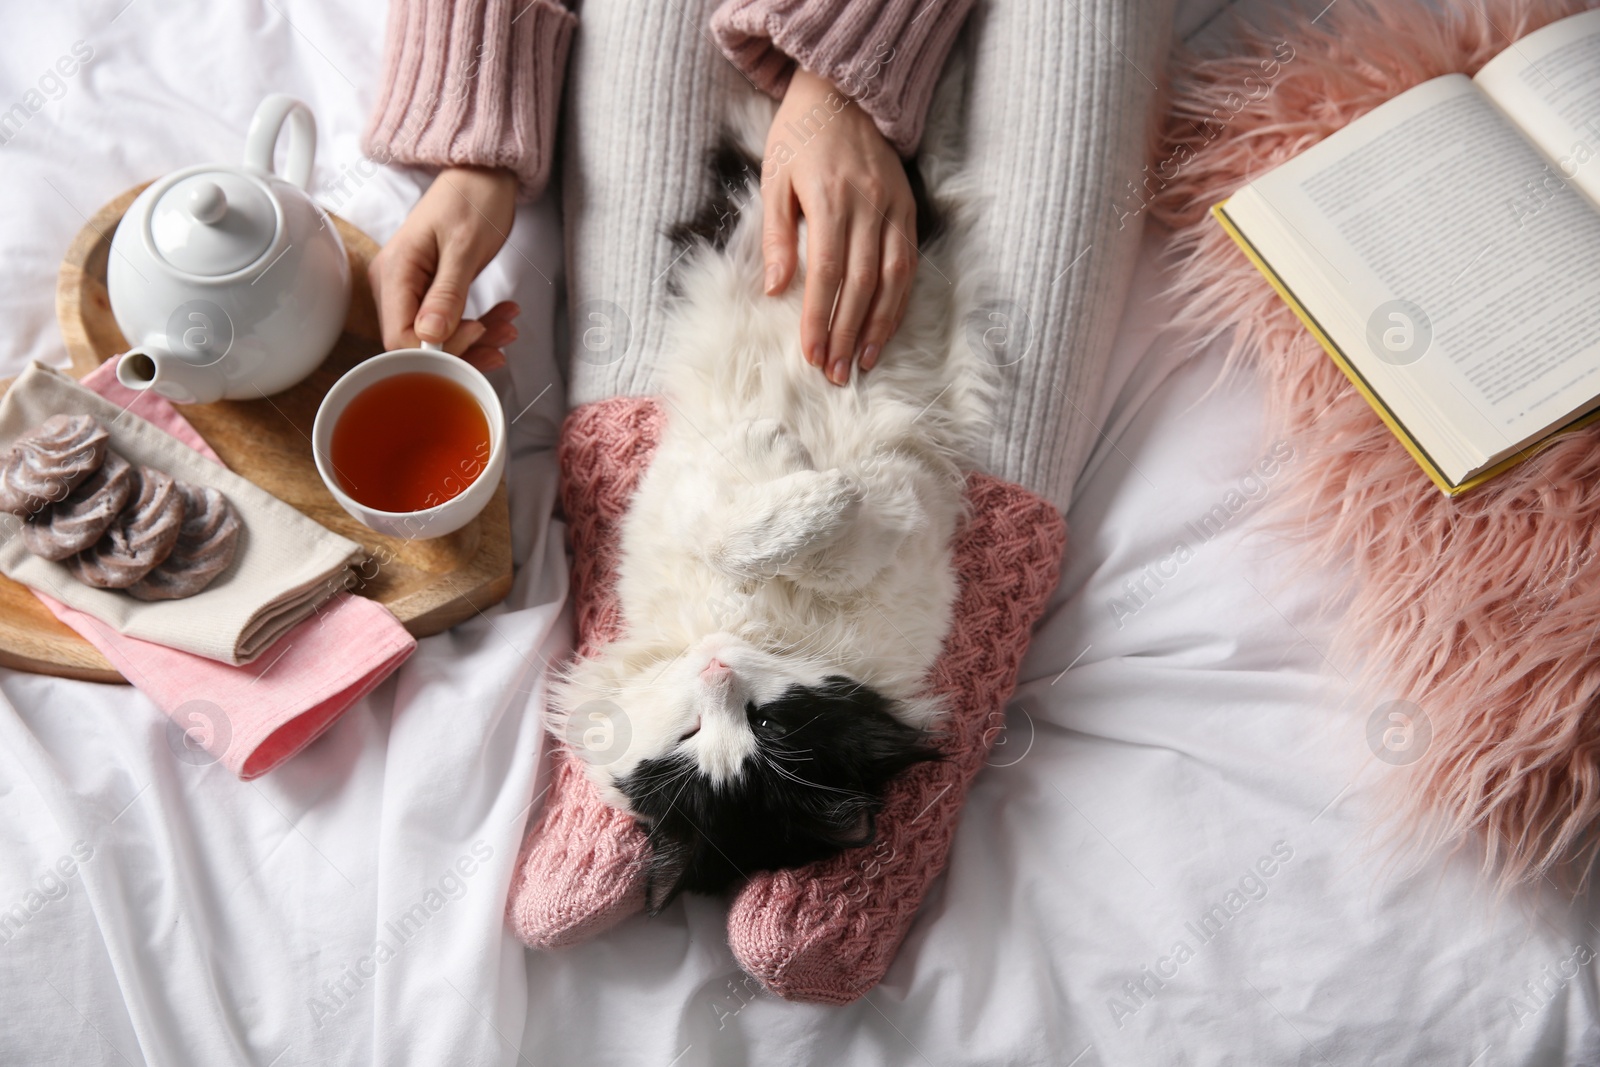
<point x="213" y="222"/>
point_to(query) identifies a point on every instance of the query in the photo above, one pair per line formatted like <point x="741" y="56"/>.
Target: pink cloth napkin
<point x="249" y="718"/>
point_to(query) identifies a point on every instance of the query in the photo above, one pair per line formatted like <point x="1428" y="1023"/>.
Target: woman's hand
<point x="420" y="278"/>
<point x="861" y="224"/>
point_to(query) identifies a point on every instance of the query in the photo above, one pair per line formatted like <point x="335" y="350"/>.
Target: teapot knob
<point x="207" y="202"/>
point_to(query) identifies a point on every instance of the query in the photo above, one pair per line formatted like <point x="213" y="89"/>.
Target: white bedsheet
<point x="1166" y="742"/>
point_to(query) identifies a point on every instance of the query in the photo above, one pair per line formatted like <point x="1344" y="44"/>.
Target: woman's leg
<point x="1058" y="121"/>
<point x="645" y="92"/>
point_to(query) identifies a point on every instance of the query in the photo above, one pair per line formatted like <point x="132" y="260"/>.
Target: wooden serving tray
<point x="429" y="585"/>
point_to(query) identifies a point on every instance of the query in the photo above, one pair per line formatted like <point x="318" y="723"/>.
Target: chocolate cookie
<point x="141" y="536"/>
<point x="205" y="547"/>
<point x="60" y="530"/>
<point x="50" y="461"/>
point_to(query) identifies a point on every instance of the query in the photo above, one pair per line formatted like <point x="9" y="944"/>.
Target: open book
<point x="1445" y="249"/>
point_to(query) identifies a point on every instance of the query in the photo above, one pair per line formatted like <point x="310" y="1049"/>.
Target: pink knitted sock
<point x="827" y="932"/>
<point x="581" y="869"/>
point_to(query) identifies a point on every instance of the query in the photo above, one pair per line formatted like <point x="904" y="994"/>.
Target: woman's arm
<point x="472" y="83"/>
<point x="885" y="55"/>
<point x="472" y="87"/>
<point x="855" y="78"/>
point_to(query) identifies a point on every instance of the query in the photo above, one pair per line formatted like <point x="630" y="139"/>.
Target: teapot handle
<point x="263" y="137"/>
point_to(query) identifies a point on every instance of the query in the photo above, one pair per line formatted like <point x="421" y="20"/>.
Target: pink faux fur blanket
<point x="1483" y="610"/>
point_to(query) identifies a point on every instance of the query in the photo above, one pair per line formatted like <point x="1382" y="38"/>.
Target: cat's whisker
<point x="820" y="787"/>
<point x="789" y="753"/>
<point x="814" y="718"/>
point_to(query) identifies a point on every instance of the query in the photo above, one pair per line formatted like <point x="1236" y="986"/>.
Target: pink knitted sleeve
<point x="472" y="82"/>
<point x="886" y="54"/>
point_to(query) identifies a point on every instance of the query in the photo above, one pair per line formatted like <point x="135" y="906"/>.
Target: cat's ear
<point x="669" y="862"/>
<point x="861" y="828"/>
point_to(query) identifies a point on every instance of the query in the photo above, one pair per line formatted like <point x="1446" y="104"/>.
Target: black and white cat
<point x="785" y="575"/>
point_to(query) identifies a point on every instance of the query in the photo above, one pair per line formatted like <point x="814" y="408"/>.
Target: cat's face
<point x="736" y="758"/>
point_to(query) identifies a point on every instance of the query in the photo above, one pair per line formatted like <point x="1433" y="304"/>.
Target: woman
<point x="1058" y="109"/>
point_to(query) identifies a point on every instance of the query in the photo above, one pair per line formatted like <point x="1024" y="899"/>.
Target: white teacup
<point x="442" y="518"/>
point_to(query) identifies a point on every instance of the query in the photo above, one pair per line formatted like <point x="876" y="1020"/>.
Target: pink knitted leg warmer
<point x="827" y="932"/>
<point x="581" y="869"/>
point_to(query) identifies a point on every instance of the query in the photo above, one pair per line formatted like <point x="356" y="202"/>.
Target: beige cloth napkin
<point x="286" y="565"/>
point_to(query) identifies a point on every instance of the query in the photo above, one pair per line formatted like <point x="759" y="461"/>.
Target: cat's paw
<point x="768" y="443"/>
<point x="787" y="522"/>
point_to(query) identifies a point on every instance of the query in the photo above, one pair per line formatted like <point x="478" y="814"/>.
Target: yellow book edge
<point x="1418" y="453"/>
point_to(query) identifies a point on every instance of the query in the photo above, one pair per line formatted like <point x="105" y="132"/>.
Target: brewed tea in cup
<point x="411" y="443"/>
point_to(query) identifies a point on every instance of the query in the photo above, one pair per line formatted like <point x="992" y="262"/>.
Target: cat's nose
<point x="716" y="671"/>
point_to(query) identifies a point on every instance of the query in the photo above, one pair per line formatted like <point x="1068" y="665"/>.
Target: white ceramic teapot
<point x="230" y="281"/>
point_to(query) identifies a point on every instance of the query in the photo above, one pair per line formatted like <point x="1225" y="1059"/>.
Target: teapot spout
<point x="151" y="366"/>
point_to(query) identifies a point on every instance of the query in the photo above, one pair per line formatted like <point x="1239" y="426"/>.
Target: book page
<point x="1549" y="84"/>
<point x="1479" y="328"/>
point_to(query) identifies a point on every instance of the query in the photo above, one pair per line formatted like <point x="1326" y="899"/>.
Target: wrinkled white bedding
<point x="1171" y="859"/>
